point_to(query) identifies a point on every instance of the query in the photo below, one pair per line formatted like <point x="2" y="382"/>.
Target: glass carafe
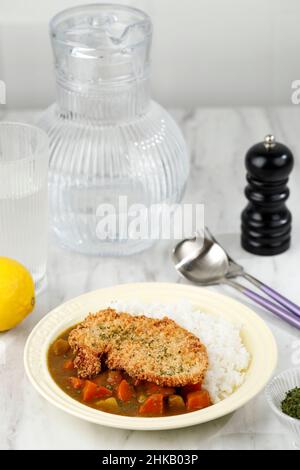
<point x="108" y="139"/>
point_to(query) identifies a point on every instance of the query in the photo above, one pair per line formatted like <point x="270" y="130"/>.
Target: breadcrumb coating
<point x="158" y="351"/>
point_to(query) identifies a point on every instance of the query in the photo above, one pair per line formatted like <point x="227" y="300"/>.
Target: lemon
<point x="17" y="297"/>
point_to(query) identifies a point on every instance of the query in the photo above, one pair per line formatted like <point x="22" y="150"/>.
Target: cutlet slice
<point x="158" y="351"/>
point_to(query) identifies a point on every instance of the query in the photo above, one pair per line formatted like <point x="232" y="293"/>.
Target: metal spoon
<point x="204" y="262"/>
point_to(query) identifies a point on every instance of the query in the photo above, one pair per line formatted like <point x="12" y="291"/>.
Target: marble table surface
<point x="218" y="139"/>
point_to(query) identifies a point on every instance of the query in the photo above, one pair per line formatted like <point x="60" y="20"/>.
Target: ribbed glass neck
<point x="107" y="103"/>
<point x="102" y="61"/>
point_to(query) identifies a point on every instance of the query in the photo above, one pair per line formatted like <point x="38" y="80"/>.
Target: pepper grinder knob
<point x="266" y="221"/>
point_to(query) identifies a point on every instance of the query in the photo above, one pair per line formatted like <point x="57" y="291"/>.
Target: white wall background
<point x="206" y="52"/>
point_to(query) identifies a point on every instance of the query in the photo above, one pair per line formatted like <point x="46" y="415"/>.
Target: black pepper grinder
<point x="266" y="221"/>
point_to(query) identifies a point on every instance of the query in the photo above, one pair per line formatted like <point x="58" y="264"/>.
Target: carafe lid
<point x="101" y="43"/>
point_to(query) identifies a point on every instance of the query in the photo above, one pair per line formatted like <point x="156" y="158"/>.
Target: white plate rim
<point x="206" y="299"/>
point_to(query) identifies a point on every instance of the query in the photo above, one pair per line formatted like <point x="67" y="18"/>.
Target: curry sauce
<point x="116" y="392"/>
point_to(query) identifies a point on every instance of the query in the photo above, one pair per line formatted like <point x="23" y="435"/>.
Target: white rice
<point x="228" y="357"/>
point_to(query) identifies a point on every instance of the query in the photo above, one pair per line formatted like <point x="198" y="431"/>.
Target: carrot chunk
<point x="89" y="391"/>
<point x="190" y="388"/>
<point x="77" y="383"/>
<point x="125" y="391"/>
<point x="102" y="392"/>
<point x="152" y="388"/>
<point x="68" y="364"/>
<point x="92" y="391"/>
<point x="153" y="406"/>
<point x="198" y="400"/>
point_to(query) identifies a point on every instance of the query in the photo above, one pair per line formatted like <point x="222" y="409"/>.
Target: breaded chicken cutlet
<point x="158" y="351"/>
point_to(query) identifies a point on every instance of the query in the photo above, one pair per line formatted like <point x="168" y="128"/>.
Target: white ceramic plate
<point x="255" y="334"/>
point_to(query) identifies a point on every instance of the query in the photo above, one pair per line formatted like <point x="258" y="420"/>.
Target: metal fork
<point x="238" y="270"/>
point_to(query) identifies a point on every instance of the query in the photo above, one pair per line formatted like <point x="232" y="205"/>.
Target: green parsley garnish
<point x="291" y="404"/>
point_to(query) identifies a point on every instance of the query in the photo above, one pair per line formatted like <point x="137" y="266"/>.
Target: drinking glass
<point x="24" y="158"/>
